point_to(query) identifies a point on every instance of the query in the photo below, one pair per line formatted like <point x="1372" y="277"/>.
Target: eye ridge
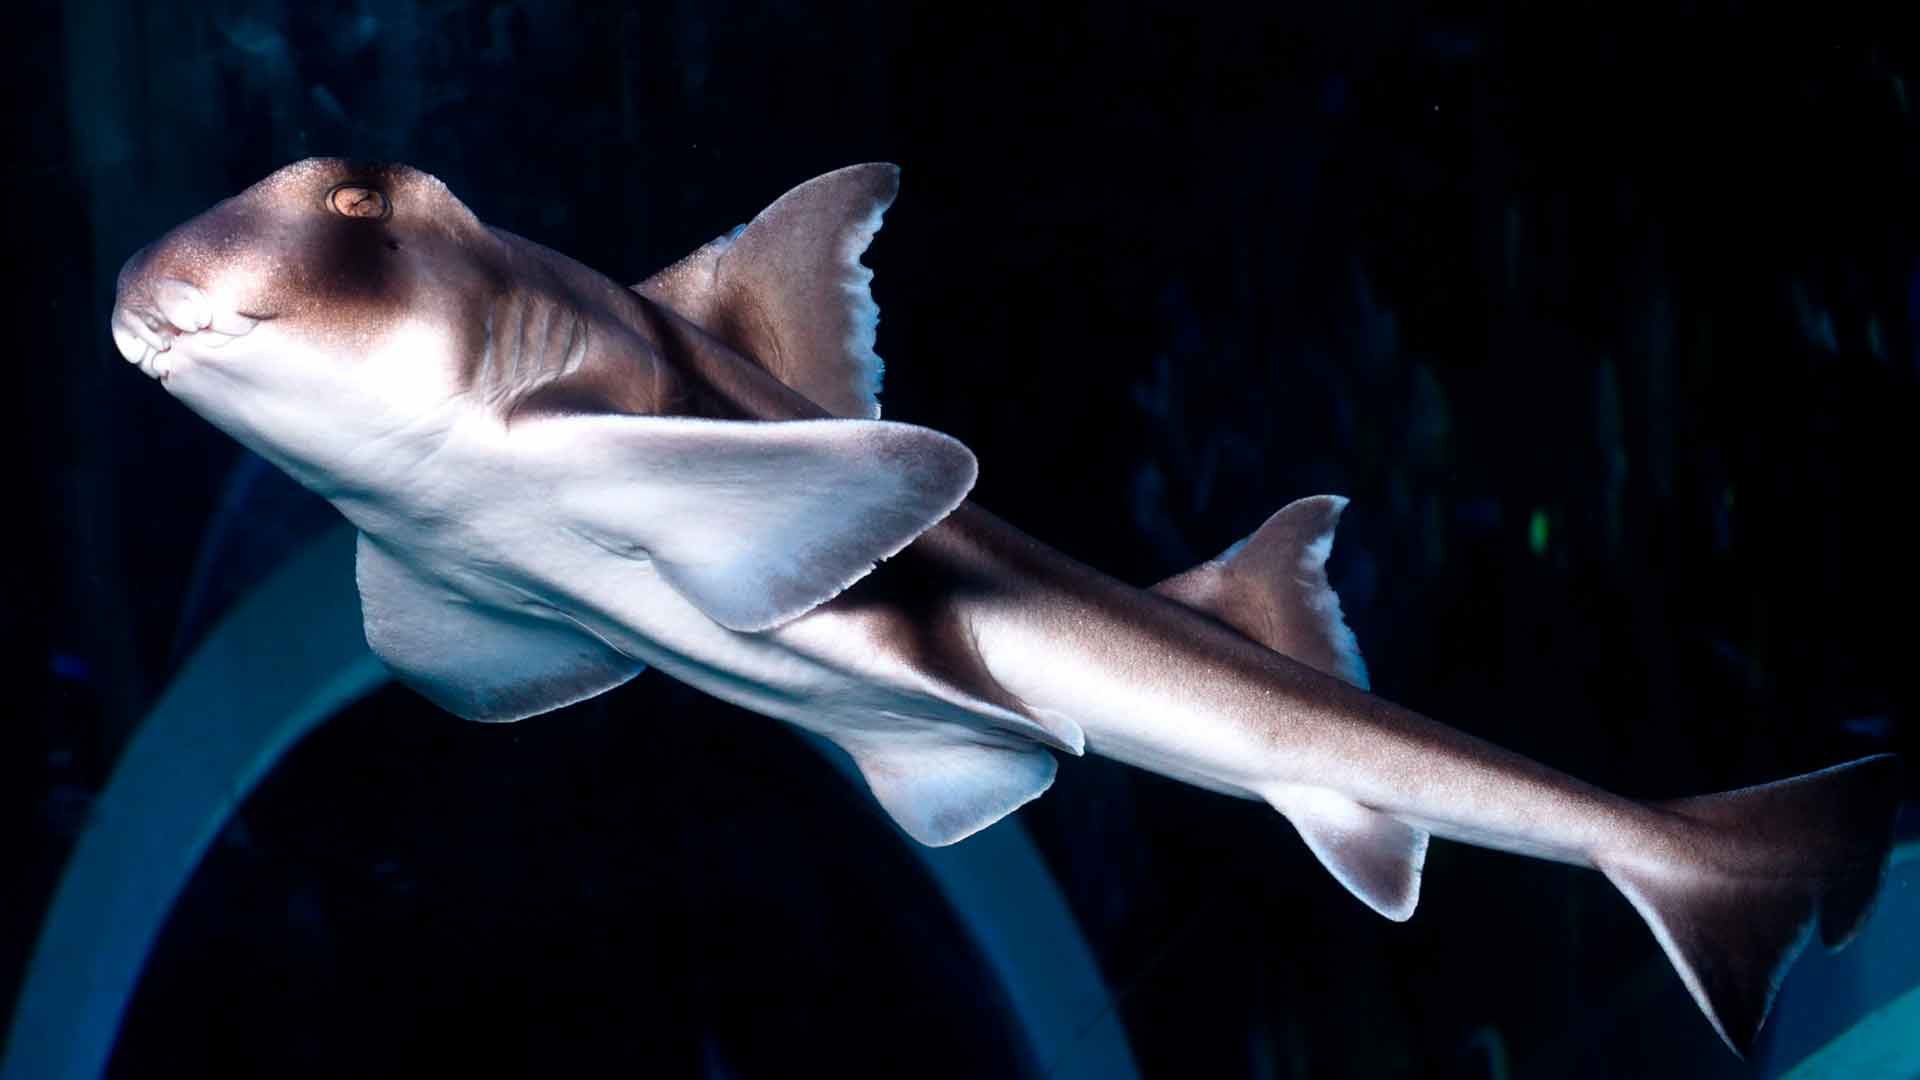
<point x="355" y="199"/>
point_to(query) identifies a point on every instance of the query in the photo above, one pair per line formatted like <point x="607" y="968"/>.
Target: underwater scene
<point x="1321" y="541"/>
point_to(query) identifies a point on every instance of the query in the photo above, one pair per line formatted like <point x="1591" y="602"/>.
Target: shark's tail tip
<point x="1761" y="868"/>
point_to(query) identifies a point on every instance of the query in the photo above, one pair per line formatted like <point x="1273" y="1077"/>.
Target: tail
<point x="1760" y="868"/>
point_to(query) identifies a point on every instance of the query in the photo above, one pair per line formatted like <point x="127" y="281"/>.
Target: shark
<point x="560" y="481"/>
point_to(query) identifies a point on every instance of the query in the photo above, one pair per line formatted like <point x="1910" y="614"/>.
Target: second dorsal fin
<point x="788" y="289"/>
<point x="1273" y="587"/>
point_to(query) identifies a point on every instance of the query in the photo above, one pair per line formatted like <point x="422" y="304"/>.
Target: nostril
<point x="150" y="329"/>
<point x="183" y="305"/>
<point x="136" y="340"/>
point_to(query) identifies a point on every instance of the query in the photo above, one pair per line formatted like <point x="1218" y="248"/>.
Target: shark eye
<point x="359" y="201"/>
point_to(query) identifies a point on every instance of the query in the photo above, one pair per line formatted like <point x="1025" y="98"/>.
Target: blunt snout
<point x="154" y="309"/>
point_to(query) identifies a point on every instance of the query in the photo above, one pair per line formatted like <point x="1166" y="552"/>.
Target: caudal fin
<point x="1758" y="870"/>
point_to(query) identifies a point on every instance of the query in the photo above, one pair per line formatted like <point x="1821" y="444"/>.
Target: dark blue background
<point x="1606" y="320"/>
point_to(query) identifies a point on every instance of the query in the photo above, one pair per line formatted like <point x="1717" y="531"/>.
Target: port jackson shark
<point x="560" y="481"/>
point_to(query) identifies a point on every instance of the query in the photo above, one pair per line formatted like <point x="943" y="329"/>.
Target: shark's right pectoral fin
<point x="1376" y="856"/>
<point x="754" y="523"/>
<point x="942" y="789"/>
<point x="477" y="662"/>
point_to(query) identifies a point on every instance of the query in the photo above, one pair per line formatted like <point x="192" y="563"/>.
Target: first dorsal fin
<point x="1273" y="587"/>
<point x="788" y="289"/>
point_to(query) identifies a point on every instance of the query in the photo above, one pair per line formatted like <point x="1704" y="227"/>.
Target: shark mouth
<point x="145" y="328"/>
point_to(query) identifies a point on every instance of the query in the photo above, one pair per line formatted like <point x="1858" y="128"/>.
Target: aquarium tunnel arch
<point x="261" y="681"/>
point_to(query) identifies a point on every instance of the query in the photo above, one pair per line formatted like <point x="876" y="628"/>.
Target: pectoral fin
<point x="942" y="789"/>
<point x="754" y="523"/>
<point x="478" y="662"/>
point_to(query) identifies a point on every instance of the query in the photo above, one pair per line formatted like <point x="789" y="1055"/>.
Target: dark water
<point x="1608" y="324"/>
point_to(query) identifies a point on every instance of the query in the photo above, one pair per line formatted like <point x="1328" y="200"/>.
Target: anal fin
<point x="478" y="662"/>
<point x="1376" y="856"/>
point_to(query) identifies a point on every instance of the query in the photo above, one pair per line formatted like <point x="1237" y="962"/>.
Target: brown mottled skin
<point x="978" y="605"/>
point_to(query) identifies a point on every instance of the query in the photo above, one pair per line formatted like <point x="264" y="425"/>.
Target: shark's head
<point x="333" y="252"/>
<point x="329" y="282"/>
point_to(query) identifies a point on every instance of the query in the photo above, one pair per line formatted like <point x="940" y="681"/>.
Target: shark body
<point x="560" y="482"/>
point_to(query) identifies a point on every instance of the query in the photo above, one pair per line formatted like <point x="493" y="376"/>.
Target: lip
<point x="146" y="329"/>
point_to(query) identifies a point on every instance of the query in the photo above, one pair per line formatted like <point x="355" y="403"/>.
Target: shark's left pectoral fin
<point x="481" y="663"/>
<point x="754" y="523"/>
<point x="942" y="789"/>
